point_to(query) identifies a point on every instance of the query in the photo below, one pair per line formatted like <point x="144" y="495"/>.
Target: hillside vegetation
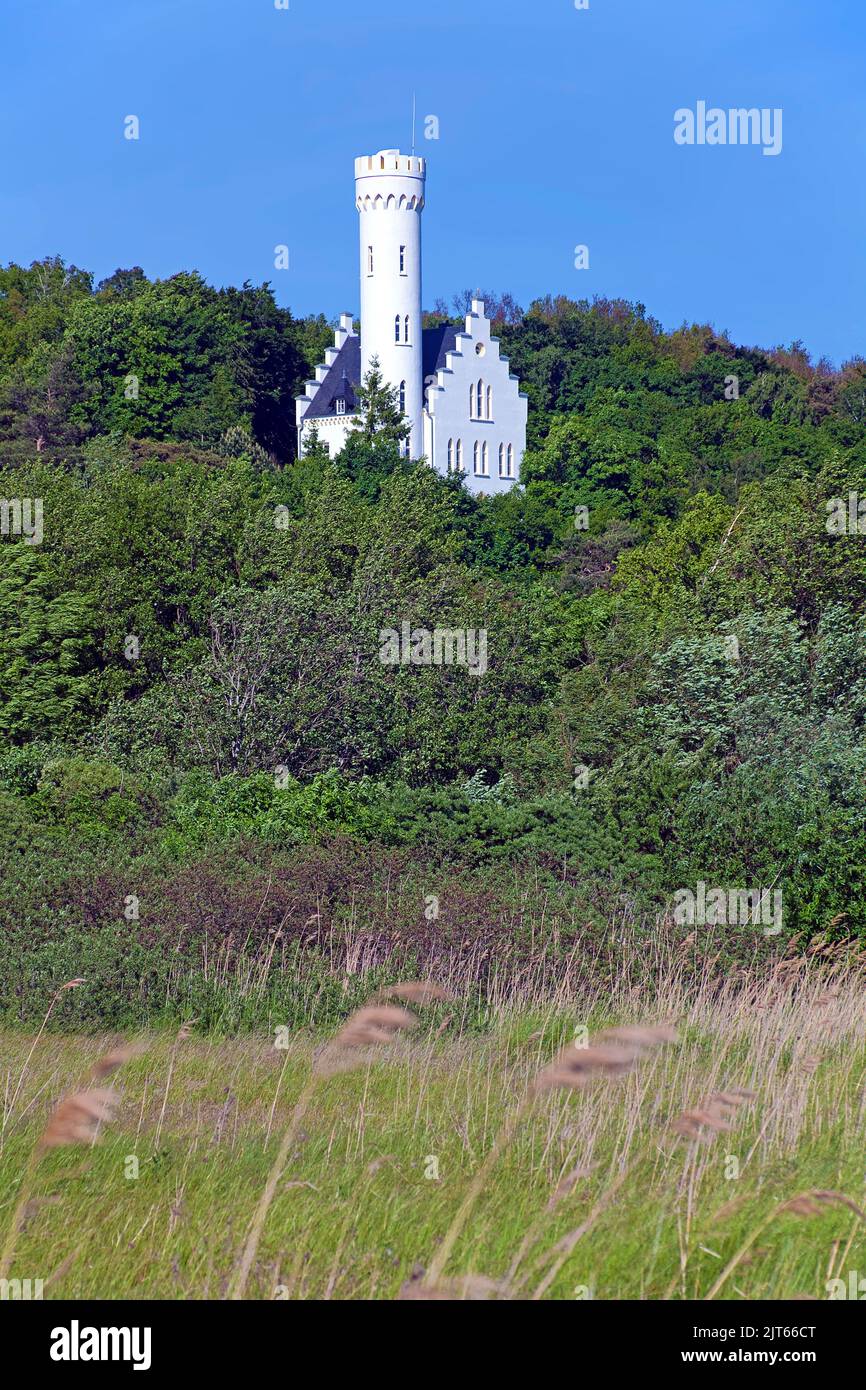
<point x="203" y="759"/>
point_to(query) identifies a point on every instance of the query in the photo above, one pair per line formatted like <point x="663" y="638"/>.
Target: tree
<point x="123" y="284"/>
<point x="382" y="420"/>
<point x="48" y="644"/>
<point x="48" y="397"/>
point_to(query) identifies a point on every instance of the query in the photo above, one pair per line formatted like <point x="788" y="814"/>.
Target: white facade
<point x="475" y="416"/>
<point x="467" y="414"/>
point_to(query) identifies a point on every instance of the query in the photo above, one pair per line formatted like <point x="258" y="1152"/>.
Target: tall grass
<point x="725" y="1164"/>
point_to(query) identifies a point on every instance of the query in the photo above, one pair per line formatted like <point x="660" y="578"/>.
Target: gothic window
<point x="502" y="460"/>
<point x="397" y="329"/>
<point x="511" y="460"/>
<point x="406" y="329"/>
<point x="476" y="460"/>
<point x="450" y="455"/>
<point x="460" y="456"/>
<point x="490" y="402"/>
<point x="369" y="260"/>
<point x="479" y="411"/>
<point x="403" y="397"/>
<point x="402" y="260"/>
<point x="485" y="460"/>
<point x="471" y="402"/>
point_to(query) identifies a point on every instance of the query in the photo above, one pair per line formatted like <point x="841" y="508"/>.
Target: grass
<point x="637" y="1185"/>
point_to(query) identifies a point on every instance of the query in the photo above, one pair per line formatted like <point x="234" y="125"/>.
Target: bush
<point x="93" y="800"/>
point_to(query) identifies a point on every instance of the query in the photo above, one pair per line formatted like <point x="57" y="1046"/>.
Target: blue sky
<point x="556" y="129"/>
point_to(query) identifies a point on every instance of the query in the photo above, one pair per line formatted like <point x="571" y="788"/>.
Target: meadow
<point x="698" y="1140"/>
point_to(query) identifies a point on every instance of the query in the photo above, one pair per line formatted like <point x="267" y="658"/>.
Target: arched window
<point x="450" y="455"/>
<point x="511" y="460"/>
<point x="460" y="456"/>
<point x="476" y="457"/>
<point x="502" y="460"/>
<point x="406" y="329"/>
<point x="403" y="397"/>
<point x="397" y="329"/>
<point x="472" y="402"/>
<point x="369" y="260"/>
<point x="480" y="407"/>
<point x="490" y="402"/>
<point x="485" y="460"/>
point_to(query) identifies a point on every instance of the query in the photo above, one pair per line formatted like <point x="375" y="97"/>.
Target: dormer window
<point x="340" y="405"/>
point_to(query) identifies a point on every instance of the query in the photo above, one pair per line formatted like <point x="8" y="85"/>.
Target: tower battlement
<point x="390" y="181"/>
<point x="390" y="162"/>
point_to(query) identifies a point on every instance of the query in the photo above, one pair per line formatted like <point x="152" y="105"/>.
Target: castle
<point x="466" y="412"/>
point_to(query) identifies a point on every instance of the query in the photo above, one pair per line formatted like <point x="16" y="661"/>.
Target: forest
<point x="202" y="755"/>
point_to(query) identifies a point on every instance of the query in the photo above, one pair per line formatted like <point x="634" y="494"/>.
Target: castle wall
<point x="500" y="423"/>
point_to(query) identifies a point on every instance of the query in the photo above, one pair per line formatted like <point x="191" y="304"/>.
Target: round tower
<point x="389" y="196"/>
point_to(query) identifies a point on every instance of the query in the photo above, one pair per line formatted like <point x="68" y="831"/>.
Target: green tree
<point x="381" y="420"/>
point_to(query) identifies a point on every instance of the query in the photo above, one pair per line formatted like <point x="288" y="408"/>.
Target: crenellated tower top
<point x="390" y="162"/>
<point x="390" y="180"/>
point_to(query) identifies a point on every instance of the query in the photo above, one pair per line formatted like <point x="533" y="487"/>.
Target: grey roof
<point x="344" y="375"/>
<point x="436" y="343"/>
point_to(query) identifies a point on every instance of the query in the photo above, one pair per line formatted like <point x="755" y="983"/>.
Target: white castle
<point x="465" y="410"/>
